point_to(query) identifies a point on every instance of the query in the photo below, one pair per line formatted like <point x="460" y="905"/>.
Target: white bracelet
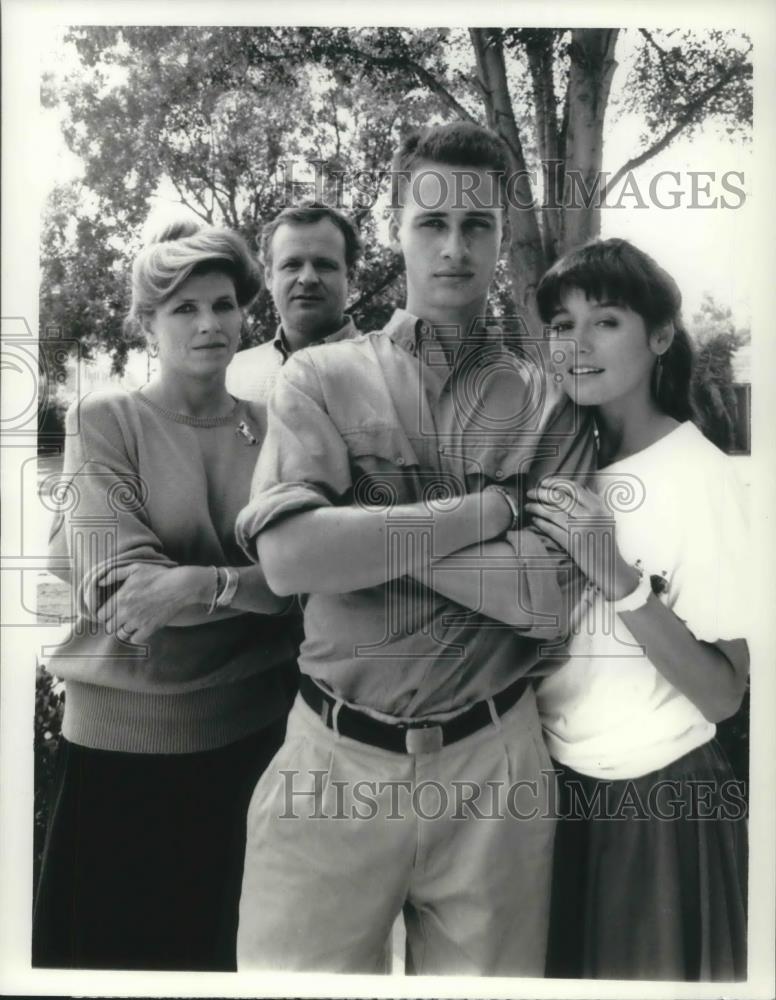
<point x="636" y="599"/>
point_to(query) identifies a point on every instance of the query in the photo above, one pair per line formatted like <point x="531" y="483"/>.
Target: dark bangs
<point x="611" y="271"/>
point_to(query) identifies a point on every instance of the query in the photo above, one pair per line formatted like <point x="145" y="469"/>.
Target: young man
<point x="411" y="777"/>
<point x="309" y="253"/>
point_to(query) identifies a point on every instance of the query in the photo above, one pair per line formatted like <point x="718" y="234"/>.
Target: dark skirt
<point x="142" y="866"/>
<point x="649" y="877"/>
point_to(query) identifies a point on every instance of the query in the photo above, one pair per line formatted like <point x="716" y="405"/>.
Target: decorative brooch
<point x="244" y="431"/>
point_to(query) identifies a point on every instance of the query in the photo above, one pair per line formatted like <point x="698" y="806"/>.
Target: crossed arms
<point x="308" y="542"/>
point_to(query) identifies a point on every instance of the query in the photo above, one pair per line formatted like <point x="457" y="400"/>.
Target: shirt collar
<point x="405" y="329"/>
<point x="347" y="331"/>
<point x="408" y="331"/>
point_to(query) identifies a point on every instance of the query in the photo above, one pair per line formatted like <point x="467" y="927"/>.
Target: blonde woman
<point x="176" y="674"/>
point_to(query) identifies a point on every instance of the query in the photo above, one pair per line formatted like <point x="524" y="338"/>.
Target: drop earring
<point x="658" y="375"/>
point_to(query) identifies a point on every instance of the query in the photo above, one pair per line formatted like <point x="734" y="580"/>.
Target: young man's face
<point x="451" y="231"/>
<point x="308" y="278"/>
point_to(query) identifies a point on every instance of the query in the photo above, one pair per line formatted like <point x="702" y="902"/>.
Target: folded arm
<point x="151" y="597"/>
<point x="119" y="567"/>
<point x="301" y="522"/>
<point x="527" y="581"/>
<point x="333" y="550"/>
<point x="712" y="675"/>
<point x="516" y="582"/>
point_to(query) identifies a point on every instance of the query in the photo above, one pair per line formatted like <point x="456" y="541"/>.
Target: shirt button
<point x="499" y="473"/>
<point x="400" y="460"/>
<point x="442" y="450"/>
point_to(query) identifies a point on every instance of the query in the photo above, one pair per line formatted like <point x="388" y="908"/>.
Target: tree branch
<point x="538" y="48"/>
<point x="234" y="220"/>
<point x="420" y="72"/>
<point x="686" y="118"/>
<point x="492" y="81"/>
<point x="436" y="87"/>
<point x="649" y="37"/>
<point x="202" y="215"/>
<point x="389" y="276"/>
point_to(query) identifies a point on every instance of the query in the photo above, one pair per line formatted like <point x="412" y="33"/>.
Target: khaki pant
<point x="343" y="836"/>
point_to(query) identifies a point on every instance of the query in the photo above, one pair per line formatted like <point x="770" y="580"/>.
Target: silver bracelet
<point x="212" y="605"/>
<point x="510" y="501"/>
<point x="226" y="596"/>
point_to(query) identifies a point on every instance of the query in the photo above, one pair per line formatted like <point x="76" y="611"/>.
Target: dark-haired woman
<point x="176" y="675"/>
<point x="650" y="870"/>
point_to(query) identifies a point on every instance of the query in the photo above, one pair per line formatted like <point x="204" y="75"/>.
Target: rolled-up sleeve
<point x="543" y="589"/>
<point x="568" y="429"/>
<point x="551" y="582"/>
<point x="303" y="462"/>
<point x="571" y="455"/>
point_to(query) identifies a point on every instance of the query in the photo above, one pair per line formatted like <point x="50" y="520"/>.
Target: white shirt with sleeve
<point x="680" y="508"/>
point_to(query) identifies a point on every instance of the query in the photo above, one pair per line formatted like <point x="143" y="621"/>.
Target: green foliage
<point x="684" y="76"/>
<point x="211" y="118"/>
<point x="215" y="120"/>
<point x="84" y="292"/>
<point x="717" y="341"/>
<point x="49" y="707"/>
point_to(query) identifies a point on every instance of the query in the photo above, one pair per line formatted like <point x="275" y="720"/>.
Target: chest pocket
<point x="384" y="466"/>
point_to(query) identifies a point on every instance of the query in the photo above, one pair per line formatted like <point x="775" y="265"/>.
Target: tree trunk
<point x="526" y="255"/>
<point x="538" y="44"/>
<point x="590" y="79"/>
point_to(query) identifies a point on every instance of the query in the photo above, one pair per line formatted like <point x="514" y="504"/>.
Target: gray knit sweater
<point x="145" y="484"/>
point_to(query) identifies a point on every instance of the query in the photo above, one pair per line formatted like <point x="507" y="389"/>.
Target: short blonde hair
<point x="181" y="249"/>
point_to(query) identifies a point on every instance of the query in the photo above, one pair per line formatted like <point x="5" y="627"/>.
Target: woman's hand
<point x="149" y="597"/>
<point x="580" y="522"/>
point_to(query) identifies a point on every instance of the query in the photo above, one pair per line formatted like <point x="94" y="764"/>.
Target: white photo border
<point x="24" y="24"/>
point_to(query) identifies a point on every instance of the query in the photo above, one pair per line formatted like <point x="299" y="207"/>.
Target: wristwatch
<point x="510" y="502"/>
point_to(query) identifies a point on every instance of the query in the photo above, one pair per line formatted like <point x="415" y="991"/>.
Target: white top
<point x="679" y="508"/>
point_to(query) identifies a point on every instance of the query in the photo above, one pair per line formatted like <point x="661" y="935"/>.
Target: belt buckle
<point x="423" y="739"/>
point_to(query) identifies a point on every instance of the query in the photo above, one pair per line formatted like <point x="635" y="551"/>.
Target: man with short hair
<point x="309" y="252"/>
<point x="411" y="778"/>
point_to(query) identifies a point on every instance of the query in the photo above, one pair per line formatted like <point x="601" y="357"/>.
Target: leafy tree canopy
<point x="220" y="120"/>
